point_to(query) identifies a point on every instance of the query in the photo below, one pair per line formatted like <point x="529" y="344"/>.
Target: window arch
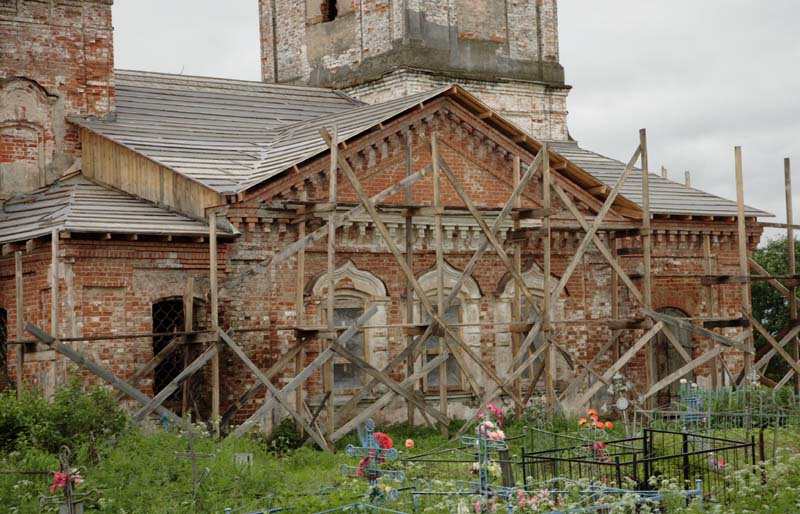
<point x="464" y="310"/>
<point x="355" y="290"/>
<point x="533" y="277"/>
<point x="668" y="360"/>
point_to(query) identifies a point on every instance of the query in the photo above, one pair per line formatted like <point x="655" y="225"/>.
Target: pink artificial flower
<point x="478" y="507"/>
<point x="500" y="434"/>
<point x="409" y="443"/>
<point x="59" y="481"/>
<point x="488" y="424"/>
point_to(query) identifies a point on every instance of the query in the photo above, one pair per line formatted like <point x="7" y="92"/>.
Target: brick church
<point x="109" y="178"/>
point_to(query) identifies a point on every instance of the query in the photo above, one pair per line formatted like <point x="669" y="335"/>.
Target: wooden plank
<point x="599" y="244"/>
<point x="742" y="243"/>
<point x="385" y="379"/>
<point x="675" y="343"/>
<point x="458" y="345"/>
<point x="317" y="235"/>
<point x="598" y="220"/>
<point x="516" y="298"/>
<point x="708" y="268"/>
<point x="548" y="301"/>
<point x="276" y="393"/>
<point x="170" y="388"/>
<point x="771" y="340"/>
<point x="492" y="392"/>
<point x="20" y="306"/>
<point x="489" y="235"/>
<point x="787" y="176"/>
<point x="727" y="341"/>
<point x="54" y="295"/>
<point x="409" y="290"/>
<point x="530" y="173"/>
<point x="279" y="365"/>
<point x="214" y="293"/>
<point x="647" y="282"/>
<point x="84" y="362"/>
<point x="773" y="282"/>
<point x="439" y="249"/>
<point x="619" y="364"/>
<point x="327" y="368"/>
<point x="188" y="323"/>
<point x="386" y="399"/>
<point x="683" y="370"/>
<point x="301" y="377"/>
<point x="299" y="309"/>
<point x="409" y="274"/>
<point x="150" y="365"/>
<point x="576" y="383"/>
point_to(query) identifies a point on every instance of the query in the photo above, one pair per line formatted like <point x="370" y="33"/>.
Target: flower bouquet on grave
<point x="64" y="481"/>
<point x="596" y="431"/>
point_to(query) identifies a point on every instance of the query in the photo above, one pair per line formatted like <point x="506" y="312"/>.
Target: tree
<point x="769" y="306"/>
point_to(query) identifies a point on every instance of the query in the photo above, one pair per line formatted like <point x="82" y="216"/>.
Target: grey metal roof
<point x="230" y="134"/>
<point x="211" y="130"/>
<point x="666" y="196"/>
<point x="75" y="203"/>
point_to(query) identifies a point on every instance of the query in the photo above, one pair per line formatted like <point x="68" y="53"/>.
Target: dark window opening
<point x="167" y="318"/>
<point x="329" y="10"/>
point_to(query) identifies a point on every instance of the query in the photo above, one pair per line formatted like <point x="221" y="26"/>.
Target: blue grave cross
<point x="372" y="457"/>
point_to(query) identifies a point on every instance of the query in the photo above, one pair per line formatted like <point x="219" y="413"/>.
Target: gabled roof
<point x="231" y="135"/>
<point x="77" y="204"/>
<point x="666" y="196"/>
<point x="211" y="130"/>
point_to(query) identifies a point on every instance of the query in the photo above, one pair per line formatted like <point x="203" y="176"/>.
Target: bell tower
<point x="503" y="51"/>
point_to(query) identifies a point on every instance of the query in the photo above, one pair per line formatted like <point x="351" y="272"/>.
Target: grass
<point x="141" y="470"/>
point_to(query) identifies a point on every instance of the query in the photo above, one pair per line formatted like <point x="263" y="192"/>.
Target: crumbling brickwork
<point x="56" y="60"/>
<point x="504" y="52"/>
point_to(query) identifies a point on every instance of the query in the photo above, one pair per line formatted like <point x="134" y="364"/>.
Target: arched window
<point x="463" y="311"/>
<point x="355" y="291"/>
<point x="668" y="360"/>
<point x="534" y="281"/>
<point x="168" y="317"/>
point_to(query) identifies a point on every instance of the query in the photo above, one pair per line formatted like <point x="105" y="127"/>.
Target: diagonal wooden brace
<point x="408" y="394"/>
<point x="84" y="362"/>
<point x="170" y="388"/>
<point x="279" y="396"/>
<point x="301" y="377"/>
<point x="320" y="233"/>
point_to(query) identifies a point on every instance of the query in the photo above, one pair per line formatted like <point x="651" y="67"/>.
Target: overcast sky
<point x="701" y="76"/>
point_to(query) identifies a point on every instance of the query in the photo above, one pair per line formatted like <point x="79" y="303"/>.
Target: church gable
<point x="481" y="158"/>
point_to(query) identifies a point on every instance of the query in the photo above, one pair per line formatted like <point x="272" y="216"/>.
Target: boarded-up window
<point x="454" y="378"/>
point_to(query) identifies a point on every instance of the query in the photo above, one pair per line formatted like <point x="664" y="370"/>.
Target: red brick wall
<point x="56" y="60"/>
<point x="66" y="46"/>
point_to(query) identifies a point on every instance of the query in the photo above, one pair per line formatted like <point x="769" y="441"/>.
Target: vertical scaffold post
<point x="214" y="293"/>
<point x="744" y="267"/>
<point x="647" y="284"/>
<point x="327" y="368"/>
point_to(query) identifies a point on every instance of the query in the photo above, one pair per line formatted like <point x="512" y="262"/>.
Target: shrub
<point x="73" y="415"/>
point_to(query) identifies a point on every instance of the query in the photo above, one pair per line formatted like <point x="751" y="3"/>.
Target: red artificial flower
<point x="609" y="425"/>
<point x="592" y="412"/>
<point x="383" y="440"/>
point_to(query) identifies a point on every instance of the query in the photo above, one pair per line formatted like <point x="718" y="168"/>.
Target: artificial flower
<point x="409" y="443"/>
<point x="383" y="440"/>
<point x="609" y="425"/>
<point x="592" y="412"/>
<point x="581" y="422"/>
